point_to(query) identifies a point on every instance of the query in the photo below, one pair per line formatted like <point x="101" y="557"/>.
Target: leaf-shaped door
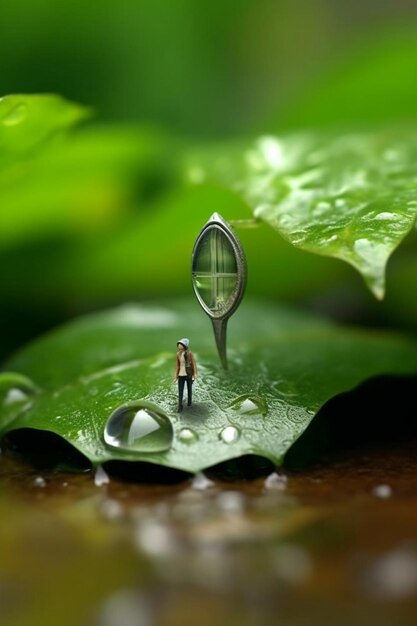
<point x="219" y="275"/>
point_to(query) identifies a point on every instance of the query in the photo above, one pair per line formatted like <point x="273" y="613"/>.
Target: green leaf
<point x="351" y="196"/>
<point x="283" y="368"/>
<point x="374" y="67"/>
<point x="83" y="184"/>
<point x="27" y="121"/>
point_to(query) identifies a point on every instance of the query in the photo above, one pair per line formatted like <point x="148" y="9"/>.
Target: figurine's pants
<point x="181" y="382"/>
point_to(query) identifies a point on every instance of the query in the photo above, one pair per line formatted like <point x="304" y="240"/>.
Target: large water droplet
<point x="15" y="388"/>
<point x="230" y="434"/>
<point x="16" y="115"/>
<point x="186" y="435"/>
<point x="140" y="426"/>
<point x="250" y="405"/>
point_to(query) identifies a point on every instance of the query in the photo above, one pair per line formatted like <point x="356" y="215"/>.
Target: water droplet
<point x="15" y="395"/>
<point x="382" y="491"/>
<point x="140" y="426"/>
<point x="100" y="477"/>
<point x="16" y="115"/>
<point x="248" y="404"/>
<point x="230" y="434"/>
<point x="393" y="576"/>
<point x="15" y="388"/>
<point x="39" y="481"/>
<point x="201" y="482"/>
<point x="276" y="482"/>
<point x="232" y="502"/>
<point x="386" y="215"/>
<point x="186" y="435"/>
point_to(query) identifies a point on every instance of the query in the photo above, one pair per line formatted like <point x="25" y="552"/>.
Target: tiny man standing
<point x="185" y="371"/>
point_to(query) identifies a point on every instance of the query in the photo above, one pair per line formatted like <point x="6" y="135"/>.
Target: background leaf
<point x="281" y="372"/>
<point x="348" y="195"/>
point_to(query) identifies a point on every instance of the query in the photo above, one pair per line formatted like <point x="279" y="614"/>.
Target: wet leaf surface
<point x="346" y="195"/>
<point x="283" y="369"/>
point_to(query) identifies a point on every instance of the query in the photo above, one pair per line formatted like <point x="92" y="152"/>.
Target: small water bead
<point x="139" y="426"/>
<point x="382" y="491"/>
<point x="250" y="405"/>
<point x="15" y="388"/>
<point x="100" y="477"/>
<point x="39" y="481"/>
<point x="230" y="434"/>
<point x="186" y="435"/>
<point x="201" y="482"/>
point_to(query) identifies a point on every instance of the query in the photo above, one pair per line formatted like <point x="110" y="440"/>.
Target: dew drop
<point x="382" y="491"/>
<point x="39" y="481"/>
<point x="386" y="215"/>
<point x="15" y="388"/>
<point x="186" y="435"/>
<point x="100" y="477"/>
<point x="16" y="115"/>
<point x="201" y="482"/>
<point x="230" y="434"/>
<point x="139" y="426"/>
<point x="248" y="404"/>
<point x="276" y="482"/>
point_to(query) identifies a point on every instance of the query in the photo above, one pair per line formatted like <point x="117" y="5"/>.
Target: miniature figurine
<point x="185" y="371"/>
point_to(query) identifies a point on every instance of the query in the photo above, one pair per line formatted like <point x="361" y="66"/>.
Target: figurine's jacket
<point x="190" y="364"/>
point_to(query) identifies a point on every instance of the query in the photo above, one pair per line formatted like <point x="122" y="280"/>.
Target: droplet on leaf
<point x="250" y="405"/>
<point x="139" y="426"/>
<point x="186" y="435"/>
<point x="15" y="388"/>
<point x="230" y="434"/>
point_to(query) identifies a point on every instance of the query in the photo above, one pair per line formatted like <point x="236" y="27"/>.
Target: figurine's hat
<point x="185" y="342"/>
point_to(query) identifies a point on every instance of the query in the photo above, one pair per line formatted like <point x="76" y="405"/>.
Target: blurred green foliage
<point x="100" y="213"/>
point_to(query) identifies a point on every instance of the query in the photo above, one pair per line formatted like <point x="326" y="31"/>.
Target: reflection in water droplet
<point x="139" y="426"/>
<point x="15" y="395"/>
<point x="250" y="405"/>
<point x="230" y="434"/>
<point x="231" y="502"/>
<point x="16" y="115"/>
<point x="186" y="435"/>
<point x="112" y="509"/>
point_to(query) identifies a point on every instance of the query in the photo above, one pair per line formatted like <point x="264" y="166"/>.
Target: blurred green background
<point x="103" y="215"/>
